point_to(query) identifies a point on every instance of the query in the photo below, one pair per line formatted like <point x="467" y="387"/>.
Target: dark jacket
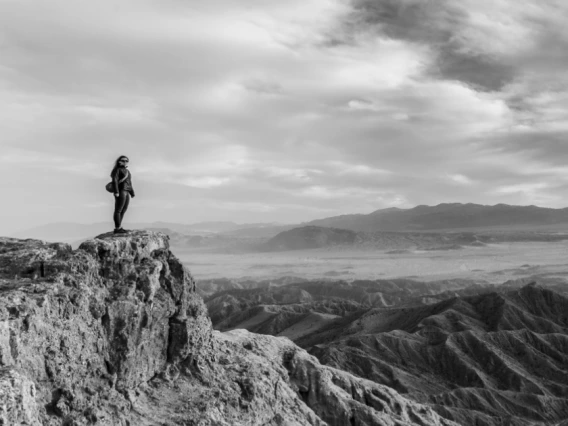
<point x="126" y="184"/>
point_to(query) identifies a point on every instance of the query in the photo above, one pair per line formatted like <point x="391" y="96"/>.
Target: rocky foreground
<point x="114" y="333"/>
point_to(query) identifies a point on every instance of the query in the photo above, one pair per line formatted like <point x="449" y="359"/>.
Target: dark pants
<point x="120" y="206"/>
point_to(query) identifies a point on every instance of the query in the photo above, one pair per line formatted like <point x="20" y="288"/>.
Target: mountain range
<point x="447" y="217"/>
<point x="474" y="360"/>
<point x="312" y="237"/>
<point x="302" y="306"/>
<point x="71" y="232"/>
<point x="442" y="218"/>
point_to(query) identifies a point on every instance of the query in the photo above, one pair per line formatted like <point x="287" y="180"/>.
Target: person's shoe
<point x="121" y="231"/>
<point x="116" y="231"/>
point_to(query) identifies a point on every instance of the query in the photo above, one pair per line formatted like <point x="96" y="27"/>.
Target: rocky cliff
<point x="114" y="333"/>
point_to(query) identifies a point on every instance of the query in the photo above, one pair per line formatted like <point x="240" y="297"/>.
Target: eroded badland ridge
<point x="114" y="333"/>
<point x="486" y="359"/>
<point x="478" y="355"/>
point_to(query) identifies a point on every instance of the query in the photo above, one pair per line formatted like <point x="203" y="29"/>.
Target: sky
<point x="279" y="111"/>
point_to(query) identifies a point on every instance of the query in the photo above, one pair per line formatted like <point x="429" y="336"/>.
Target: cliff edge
<point x="114" y="333"/>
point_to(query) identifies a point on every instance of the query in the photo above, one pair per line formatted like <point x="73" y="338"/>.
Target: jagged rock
<point x="114" y="333"/>
<point x="17" y="399"/>
<point x="28" y="258"/>
<point x="107" y="317"/>
<point x="266" y="380"/>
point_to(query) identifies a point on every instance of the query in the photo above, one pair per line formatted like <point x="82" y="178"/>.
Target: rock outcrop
<point x="114" y="333"/>
<point x="77" y="327"/>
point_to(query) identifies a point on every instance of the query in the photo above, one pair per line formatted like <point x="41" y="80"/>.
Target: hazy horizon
<point x="289" y="111"/>
<point x="107" y="224"/>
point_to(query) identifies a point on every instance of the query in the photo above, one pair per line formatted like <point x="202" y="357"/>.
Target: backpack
<point x="110" y="186"/>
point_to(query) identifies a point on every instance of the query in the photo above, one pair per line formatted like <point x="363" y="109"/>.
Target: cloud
<point x="476" y="42"/>
<point x="460" y="179"/>
<point x="282" y="110"/>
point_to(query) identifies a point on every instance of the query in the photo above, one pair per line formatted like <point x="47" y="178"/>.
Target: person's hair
<point x="116" y="165"/>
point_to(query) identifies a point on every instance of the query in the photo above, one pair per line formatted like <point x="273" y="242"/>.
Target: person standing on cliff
<point x="123" y="190"/>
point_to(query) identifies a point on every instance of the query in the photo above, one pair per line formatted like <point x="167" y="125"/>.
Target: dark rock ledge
<point x="114" y="333"/>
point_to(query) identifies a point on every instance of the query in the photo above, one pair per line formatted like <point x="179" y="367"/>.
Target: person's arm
<point x="115" y="181"/>
<point x="131" y="185"/>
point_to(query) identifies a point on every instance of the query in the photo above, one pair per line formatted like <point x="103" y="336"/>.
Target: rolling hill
<point x="279" y="309"/>
<point x="481" y="359"/>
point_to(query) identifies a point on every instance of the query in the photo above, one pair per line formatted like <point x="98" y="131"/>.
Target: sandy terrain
<point x="494" y="263"/>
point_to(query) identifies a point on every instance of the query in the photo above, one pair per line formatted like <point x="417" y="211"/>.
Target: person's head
<point x="121" y="161"/>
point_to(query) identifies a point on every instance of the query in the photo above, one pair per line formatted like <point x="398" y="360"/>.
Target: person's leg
<point x="119" y="203"/>
<point x="126" y="204"/>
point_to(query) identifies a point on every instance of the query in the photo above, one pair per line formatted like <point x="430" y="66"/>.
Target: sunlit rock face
<point x="114" y="333"/>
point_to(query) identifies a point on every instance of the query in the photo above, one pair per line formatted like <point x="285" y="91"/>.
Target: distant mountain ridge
<point x="309" y="237"/>
<point x="70" y="231"/>
<point x="314" y="237"/>
<point x="443" y="217"/>
<point x="446" y="216"/>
